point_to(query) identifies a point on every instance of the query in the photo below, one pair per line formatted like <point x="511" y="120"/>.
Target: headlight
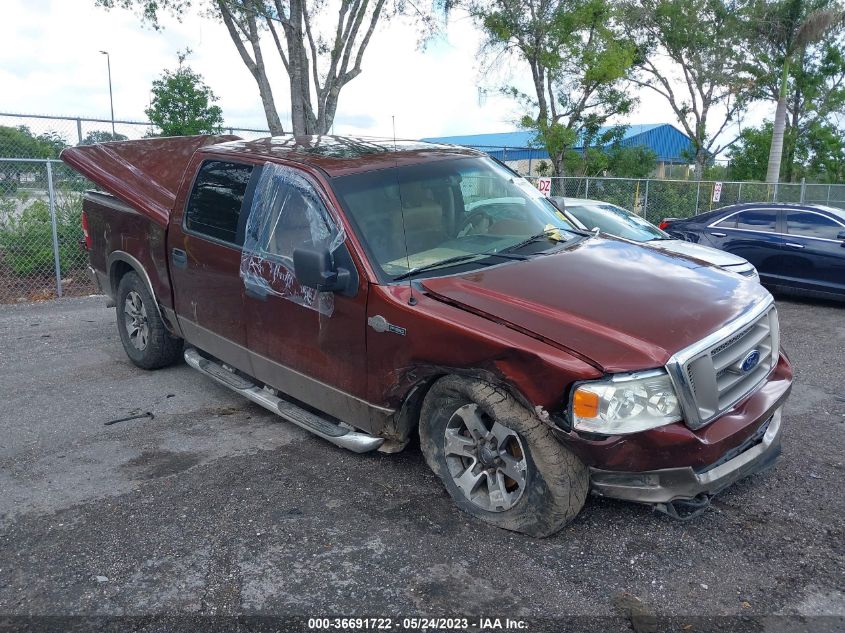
<point x="625" y="404"/>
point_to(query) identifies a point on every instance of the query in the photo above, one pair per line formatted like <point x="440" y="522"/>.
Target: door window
<point x="286" y="213"/>
<point x="808" y="224"/>
<point x="757" y="220"/>
<point x="214" y="208"/>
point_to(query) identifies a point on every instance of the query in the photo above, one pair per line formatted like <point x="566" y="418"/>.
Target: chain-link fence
<point x="657" y="199"/>
<point x="40" y="231"/>
<point x="41" y="201"/>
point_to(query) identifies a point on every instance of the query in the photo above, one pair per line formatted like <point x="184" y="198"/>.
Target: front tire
<point x="145" y="339"/>
<point x="497" y="460"/>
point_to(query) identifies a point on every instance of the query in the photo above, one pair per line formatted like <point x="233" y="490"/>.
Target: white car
<point x="613" y="220"/>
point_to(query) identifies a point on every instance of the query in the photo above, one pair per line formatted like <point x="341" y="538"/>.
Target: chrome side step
<point x="354" y="441"/>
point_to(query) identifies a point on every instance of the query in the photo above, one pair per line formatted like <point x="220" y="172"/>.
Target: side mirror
<point x="841" y="236"/>
<point x="314" y="268"/>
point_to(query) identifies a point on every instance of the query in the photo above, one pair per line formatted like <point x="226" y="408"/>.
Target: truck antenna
<point x="412" y="300"/>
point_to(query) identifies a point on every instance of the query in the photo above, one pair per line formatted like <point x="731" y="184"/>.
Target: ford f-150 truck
<point x="371" y="291"/>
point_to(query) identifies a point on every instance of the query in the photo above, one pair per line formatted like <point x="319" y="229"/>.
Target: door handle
<point x="719" y="234"/>
<point x="793" y="245"/>
<point x="255" y="290"/>
<point x="179" y="258"/>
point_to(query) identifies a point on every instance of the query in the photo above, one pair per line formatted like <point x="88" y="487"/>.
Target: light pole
<point x="111" y="98"/>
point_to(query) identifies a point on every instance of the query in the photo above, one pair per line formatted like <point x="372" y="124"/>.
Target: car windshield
<point x="453" y="212"/>
<point x="613" y="220"/>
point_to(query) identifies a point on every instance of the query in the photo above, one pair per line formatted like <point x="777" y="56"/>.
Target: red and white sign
<point x="545" y="186"/>
<point x="717" y="191"/>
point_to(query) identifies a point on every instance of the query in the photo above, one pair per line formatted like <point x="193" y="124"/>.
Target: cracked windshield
<point x="452" y="212"/>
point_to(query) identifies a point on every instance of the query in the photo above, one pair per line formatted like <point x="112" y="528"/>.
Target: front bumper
<point x="671" y="484"/>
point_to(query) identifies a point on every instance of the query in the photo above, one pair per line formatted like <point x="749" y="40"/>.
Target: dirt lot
<point x="215" y="506"/>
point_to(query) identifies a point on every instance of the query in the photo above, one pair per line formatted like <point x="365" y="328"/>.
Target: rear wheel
<point x="145" y="338"/>
<point x="497" y="460"/>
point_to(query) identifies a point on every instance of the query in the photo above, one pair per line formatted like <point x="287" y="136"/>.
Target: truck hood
<point x="621" y="306"/>
<point x="705" y="253"/>
<point x="144" y="174"/>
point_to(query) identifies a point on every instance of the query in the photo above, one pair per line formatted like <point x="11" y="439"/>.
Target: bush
<point x="26" y="237"/>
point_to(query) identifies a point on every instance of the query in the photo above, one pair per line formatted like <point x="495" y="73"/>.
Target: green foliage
<point x="819" y="155"/>
<point x="26" y="237"/>
<point x="694" y="54"/>
<point x="578" y="57"/>
<point x="182" y="103"/>
<point x="20" y="142"/>
<point x="101" y="136"/>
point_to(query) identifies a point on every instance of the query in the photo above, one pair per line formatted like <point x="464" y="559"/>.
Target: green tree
<point x="750" y="156"/>
<point x="101" y="136"/>
<point x="578" y="58"/>
<point x="20" y="142"/>
<point x="182" y="103"/>
<point x="320" y="53"/>
<point x="694" y="54"/>
<point x="799" y="65"/>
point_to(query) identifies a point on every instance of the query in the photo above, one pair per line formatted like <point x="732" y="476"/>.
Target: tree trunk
<point x="700" y="164"/>
<point x="776" y="150"/>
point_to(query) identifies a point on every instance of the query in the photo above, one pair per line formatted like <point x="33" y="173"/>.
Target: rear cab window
<point x="214" y="208"/>
<point x="813" y="225"/>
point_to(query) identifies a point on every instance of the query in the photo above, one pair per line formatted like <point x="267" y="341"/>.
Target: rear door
<point x="814" y="259"/>
<point x="752" y="234"/>
<point x="204" y="253"/>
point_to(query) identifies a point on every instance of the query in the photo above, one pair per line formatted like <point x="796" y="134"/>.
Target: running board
<point x="354" y="441"/>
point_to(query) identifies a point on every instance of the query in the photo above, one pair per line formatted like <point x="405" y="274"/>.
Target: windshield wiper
<point x="456" y="260"/>
<point x="546" y="233"/>
<point x="443" y="262"/>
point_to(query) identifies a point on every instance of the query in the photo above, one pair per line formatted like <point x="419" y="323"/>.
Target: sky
<point x="50" y="63"/>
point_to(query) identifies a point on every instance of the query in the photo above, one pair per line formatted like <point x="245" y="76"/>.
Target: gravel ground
<point x="215" y="506"/>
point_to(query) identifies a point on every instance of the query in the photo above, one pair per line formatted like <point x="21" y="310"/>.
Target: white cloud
<point x="50" y="64"/>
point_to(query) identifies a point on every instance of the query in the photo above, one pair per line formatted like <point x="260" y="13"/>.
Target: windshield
<point x="613" y="220"/>
<point x="465" y="211"/>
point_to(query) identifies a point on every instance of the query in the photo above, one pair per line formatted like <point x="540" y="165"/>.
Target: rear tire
<point x="145" y="339"/>
<point x="498" y="461"/>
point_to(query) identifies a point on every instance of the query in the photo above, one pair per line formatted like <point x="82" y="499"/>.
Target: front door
<point x="309" y="345"/>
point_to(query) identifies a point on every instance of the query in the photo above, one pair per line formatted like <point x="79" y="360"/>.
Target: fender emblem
<point x="380" y="324"/>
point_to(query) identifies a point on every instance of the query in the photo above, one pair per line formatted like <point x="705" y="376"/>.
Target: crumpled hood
<point x="699" y="251"/>
<point x="624" y="307"/>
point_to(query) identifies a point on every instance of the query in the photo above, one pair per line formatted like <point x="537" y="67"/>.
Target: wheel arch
<point x="119" y="263"/>
<point x="407" y="417"/>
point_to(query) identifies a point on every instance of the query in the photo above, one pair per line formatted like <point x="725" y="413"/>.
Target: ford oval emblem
<point x="750" y="361"/>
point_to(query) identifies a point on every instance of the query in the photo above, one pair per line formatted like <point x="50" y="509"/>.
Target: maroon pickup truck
<point x="370" y="291"/>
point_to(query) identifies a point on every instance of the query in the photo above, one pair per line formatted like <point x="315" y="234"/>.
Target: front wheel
<point x="145" y="338"/>
<point x="497" y="460"/>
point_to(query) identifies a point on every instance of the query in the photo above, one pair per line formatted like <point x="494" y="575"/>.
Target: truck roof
<point x="342" y="155"/>
<point x="147" y="173"/>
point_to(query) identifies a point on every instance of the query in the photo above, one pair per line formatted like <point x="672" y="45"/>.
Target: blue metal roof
<point x="664" y="139"/>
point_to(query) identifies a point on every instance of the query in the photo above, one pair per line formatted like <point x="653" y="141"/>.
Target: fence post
<point x="529" y="165"/>
<point x="586" y="186"/>
<point x="697" y="196"/>
<point x="79" y="130"/>
<point x="56" y="260"/>
<point x="645" y="201"/>
<point x="775" y="193"/>
<point x="828" y="192"/>
<point x="803" y="188"/>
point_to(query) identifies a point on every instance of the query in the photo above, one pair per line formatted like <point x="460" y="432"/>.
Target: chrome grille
<point x="715" y="374"/>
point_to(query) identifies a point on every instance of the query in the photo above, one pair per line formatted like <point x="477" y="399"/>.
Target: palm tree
<point x="811" y="30"/>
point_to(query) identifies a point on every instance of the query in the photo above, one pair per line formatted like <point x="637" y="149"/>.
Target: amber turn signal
<point x="585" y="404"/>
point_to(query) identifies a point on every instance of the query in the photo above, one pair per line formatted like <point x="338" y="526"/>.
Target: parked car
<point x="615" y="220"/>
<point x="795" y="247"/>
<point x="366" y="292"/>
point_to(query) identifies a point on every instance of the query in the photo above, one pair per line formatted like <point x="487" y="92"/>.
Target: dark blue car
<point x="795" y="247"/>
